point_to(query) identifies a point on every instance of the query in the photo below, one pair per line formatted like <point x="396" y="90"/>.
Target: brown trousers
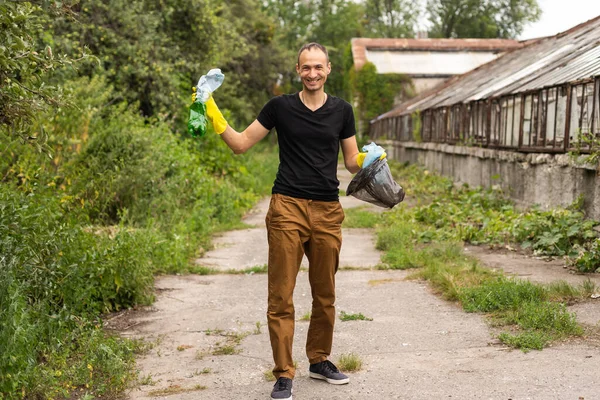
<point x="296" y="227"/>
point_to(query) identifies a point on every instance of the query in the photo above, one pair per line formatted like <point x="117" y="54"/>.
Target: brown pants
<point x="296" y="227"/>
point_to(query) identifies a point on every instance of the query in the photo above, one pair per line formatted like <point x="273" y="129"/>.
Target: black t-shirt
<point x="309" y="143"/>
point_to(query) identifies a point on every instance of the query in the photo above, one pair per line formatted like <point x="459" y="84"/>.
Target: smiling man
<point x="305" y="215"/>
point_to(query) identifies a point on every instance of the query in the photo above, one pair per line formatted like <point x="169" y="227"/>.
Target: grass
<point x="204" y="270"/>
<point x="146" y="381"/>
<point x="269" y="377"/>
<point x="257" y="269"/>
<point x="360" y="218"/>
<point x="353" y="317"/>
<point x="175" y="389"/>
<point x="349" y="362"/>
<point x="377" y="282"/>
<point x="429" y="238"/>
<point x="232" y="341"/>
<point x="306" y="316"/>
<point x="225" y="350"/>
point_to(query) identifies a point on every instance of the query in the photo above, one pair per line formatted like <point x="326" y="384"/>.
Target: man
<point x="305" y="215"/>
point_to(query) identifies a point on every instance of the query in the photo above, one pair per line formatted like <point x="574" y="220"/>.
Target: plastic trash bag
<point x="373" y="153"/>
<point x="374" y="184"/>
<point x="206" y="85"/>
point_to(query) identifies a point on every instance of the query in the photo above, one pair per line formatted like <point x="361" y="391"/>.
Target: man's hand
<point x="360" y="158"/>
<point x="214" y="115"/>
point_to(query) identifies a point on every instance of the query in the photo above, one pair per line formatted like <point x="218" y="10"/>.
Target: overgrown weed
<point x="430" y="237"/>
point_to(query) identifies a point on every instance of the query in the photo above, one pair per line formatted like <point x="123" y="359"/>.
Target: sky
<point x="560" y="15"/>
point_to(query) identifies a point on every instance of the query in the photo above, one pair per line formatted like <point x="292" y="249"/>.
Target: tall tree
<point x="338" y="22"/>
<point x="391" y="18"/>
<point x="480" y="18"/>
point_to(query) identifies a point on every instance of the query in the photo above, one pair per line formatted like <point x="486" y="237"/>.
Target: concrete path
<point x="417" y="346"/>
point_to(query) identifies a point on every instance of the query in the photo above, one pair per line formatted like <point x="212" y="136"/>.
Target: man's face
<point x="313" y="69"/>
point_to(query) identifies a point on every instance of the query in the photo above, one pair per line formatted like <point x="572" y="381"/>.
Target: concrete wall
<point x="545" y="179"/>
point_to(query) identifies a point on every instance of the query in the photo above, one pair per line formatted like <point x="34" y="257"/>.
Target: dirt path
<point x="417" y="346"/>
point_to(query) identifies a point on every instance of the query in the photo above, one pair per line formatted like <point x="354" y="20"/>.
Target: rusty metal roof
<point x="567" y="57"/>
<point x="361" y="45"/>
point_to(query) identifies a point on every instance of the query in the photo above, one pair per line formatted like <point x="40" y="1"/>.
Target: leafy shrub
<point x="55" y="278"/>
<point x="479" y="215"/>
<point x="587" y="258"/>
<point x="82" y="233"/>
<point x="553" y="232"/>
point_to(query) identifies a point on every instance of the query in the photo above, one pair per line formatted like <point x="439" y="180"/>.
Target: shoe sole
<point x="314" y="375"/>
<point x="283" y="398"/>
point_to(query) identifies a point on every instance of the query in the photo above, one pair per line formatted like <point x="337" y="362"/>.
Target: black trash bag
<point x="374" y="184"/>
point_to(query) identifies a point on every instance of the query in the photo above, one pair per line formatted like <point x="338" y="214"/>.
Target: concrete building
<point x="525" y="120"/>
<point x="429" y="62"/>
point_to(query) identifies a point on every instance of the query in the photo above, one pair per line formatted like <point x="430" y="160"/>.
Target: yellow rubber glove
<point x="360" y="158"/>
<point x="214" y="115"/>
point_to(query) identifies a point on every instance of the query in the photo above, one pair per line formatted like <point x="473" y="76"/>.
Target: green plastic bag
<point x="197" y="120"/>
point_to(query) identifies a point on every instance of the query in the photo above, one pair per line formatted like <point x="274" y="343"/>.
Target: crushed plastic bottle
<point x="207" y="84"/>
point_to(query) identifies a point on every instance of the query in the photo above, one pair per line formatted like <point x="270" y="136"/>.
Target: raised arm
<point x="239" y="142"/>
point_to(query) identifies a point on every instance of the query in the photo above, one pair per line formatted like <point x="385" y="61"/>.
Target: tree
<point x="480" y="18"/>
<point x="26" y="62"/>
<point x="391" y="18"/>
<point x="338" y="22"/>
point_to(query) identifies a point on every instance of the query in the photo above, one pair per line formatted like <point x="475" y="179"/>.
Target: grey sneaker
<point x="326" y="371"/>
<point x="282" y="389"/>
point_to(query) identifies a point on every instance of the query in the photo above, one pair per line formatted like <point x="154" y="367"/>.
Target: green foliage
<point x="353" y="317"/>
<point x="553" y="232"/>
<point x="587" y="257"/>
<point x="500" y="294"/>
<point x="55" y="278"/>
<point x="25" y="62"/>
<point x="154" y="51"/>
<point x="480" y="19"/>
<point x="416" y="124"/>
<point x="338" y="22"/>
<point x="526" y="340"/>
<point x="83" y="233"/>
<point x="430" y="236"/>
<point x="375" y="92"/>
<point x="349" y="362"/>
<point x="586" y="148"/>
<point x="391" y="18"/>
<point x="360" y="218"/>
<point x="478" y="215"/>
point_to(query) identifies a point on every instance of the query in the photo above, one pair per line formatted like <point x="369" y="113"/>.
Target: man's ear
<point x="298" y="69"/>
<point x="329" y="68"/>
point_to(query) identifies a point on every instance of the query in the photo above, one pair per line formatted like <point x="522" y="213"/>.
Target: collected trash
<point x="374" y="184"/>
<point x="206" y="85"/>
<point x="373" y="153"/>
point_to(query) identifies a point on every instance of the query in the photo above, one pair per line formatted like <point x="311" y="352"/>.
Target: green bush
<point x="587" y="257"/>
<point x="55" y="279"/>
<point x="553" y="232"/>
<point x="83" y="232"/>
